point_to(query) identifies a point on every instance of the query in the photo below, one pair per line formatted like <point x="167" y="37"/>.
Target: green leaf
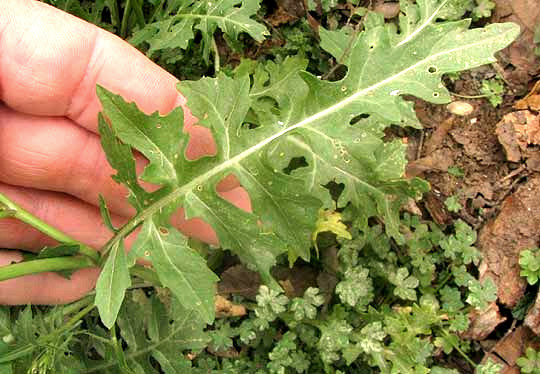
<point x="460" y="245"/>
<point x="105" y="214"/>
<point x="112" y="285"/>
<point x="5" y="321"/>
<point x="270" y="304"/>
<point x="405" y="284"/>
<point x="153" y="332"/>
<point x="330" y="221"/>
<point x="179" y="267"/>
<point x="262" y="123"/>
<point x="482" y="293"/>
<point x="529" y="261"/>
<point x="356" y="288"/>
<point x="306" y="307"/>
<point x="452" y="204"/>
<point x="176" y="27"/>
<point x="451" y="299"/>
<point x="488" y="367"/>
<point x="530" y="363"/>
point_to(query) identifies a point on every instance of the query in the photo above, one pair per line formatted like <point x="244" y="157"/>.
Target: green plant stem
<point x="113" y="8"/>
<point x="139" y="14"/>
<point x="15" y="211"/>
<point x="125" y="18"/>
<point x="216" y="56"/>
<point x="72" y="322"/>
<point x="463" y="354"/>
<point x="157" y="8"/>
<point x="44" y="265"/>
<point x="77" y="305"/>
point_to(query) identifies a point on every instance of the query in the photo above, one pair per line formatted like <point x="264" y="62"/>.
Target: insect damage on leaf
<point x="264" y="120"/>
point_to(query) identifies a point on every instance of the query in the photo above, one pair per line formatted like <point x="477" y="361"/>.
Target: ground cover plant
<point x="312" y="133"/>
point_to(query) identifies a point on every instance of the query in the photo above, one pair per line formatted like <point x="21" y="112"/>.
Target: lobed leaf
<point x="175" y="29"/>
<point x="286" y="135"/>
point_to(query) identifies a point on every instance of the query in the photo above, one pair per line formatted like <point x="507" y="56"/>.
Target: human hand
<point x="51" y="161"/>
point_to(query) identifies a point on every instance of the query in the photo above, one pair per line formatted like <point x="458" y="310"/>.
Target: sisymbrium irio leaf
<point x="153" y="332"/>
<point x="174" y="28"/>
<point x="112" y="285"/>
<point x="179" y="267"/>
<point x="265" y="121"/>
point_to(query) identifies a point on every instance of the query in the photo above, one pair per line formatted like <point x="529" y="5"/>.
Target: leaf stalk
<point x="8" y="208"/>
<point x="45" y="265"/>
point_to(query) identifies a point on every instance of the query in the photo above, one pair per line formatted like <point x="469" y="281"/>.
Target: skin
<point x="51" y="161"/>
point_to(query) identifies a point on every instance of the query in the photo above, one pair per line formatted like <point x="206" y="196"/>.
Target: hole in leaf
<point x="436" y="94"/>
<point x="249" y="125"/>
<point x="295" y="163"/>
<point x="230" y="189"/>
<point x="201" y="142"/>
<point x="432" y="69"/>
<point x="335" y="189"/>
<point x="338" y="74"/>
<point x="358" y="118"/>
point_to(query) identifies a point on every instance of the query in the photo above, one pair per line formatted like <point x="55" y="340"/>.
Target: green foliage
<point x="460" y="245"/>
<point x="306" y="307"/>
<point x="530" y="363"/>
<point x="355" y="289"/>
<point x="300" y="40"/>
<point x="176" y="23"/>
<point x="477" y="9"/>
<point x="493" y="89"/>
<point x="489" y="367"/>
<point x="456" y="171"/>
<point x="269" y="304"/>
<point x="378" y="330"/>
<point x="482" y="293"/>
<point x="405" y="284"/>
<point x="452" y="204"/>
<point x="529" y="260"/>
<point x="90" y="10"/>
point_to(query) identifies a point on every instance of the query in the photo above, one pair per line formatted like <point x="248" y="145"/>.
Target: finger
<point x="53" y="153"/>
<point x="51" y="62"/>
<point x="44" y="288"/>
<point x="79" y="220"/>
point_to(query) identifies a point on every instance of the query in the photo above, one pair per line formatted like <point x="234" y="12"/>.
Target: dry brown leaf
<point x="502" y="239"/>
<point x="510" y="348"/>
<point x="225" y="308"/>
<point x="483" y="323"/>
<point x="516" y="131"/>
<point x="526" y="13"/>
